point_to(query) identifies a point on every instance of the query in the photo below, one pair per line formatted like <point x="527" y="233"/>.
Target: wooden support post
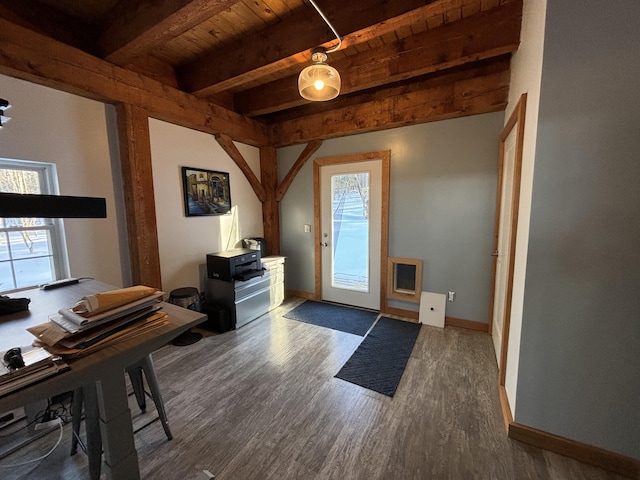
<point x="137" y="180"/>
<point x="270" y="210"/>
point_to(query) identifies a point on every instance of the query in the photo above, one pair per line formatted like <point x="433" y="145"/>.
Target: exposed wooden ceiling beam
<point x="48" y="21"/>
<point x="469" y="91"/>
<point x="136" y="27"/>
<point x="288" y="43"/>
<point x="39" y="59"/>
<point x="478" y="37"/>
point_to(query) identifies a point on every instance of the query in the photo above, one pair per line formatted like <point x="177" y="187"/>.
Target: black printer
<point x="237" y="264"/>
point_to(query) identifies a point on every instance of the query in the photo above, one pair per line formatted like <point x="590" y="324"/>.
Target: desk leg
<point x="120" y="456"/>
<point x="92" y="428"/>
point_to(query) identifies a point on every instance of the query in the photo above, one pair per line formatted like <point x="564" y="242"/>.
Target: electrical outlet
<point x="452" y="296"/>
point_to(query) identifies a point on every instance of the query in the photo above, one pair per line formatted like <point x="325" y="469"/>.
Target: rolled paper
<point x="102" y="302"/>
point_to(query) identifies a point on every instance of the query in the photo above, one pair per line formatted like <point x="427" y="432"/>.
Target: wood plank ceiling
<point x="402" y="61"/>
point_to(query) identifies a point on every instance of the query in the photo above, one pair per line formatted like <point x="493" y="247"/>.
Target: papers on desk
<point x="38" y="364"/>
<point x="73" y="322"/>
<point x="92" y="305"/>
<point x="70" y="334"/>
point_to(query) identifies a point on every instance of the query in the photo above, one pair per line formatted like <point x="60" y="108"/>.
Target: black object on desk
<point x="59" y="283"/>
<point x="13" y="305"/>
<point x="13" y="358"/>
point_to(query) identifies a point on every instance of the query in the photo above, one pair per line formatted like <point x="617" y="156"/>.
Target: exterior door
<point x="350" y="233"/>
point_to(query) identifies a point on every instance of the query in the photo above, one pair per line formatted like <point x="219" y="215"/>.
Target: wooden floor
<point x="262" y="403"/>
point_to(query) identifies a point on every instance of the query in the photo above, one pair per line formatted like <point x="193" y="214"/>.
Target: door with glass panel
<point x="350" y="212"/>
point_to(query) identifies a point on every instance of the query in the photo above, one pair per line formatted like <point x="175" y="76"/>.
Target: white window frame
<point x="49" y="186"/>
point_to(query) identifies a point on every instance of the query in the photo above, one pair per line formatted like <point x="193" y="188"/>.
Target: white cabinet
<point x="275" y="266"/>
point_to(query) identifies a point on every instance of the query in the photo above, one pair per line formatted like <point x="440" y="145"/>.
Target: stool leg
<point x="76" y="418"/>
<point x="135" y="375"/>
<point x="152" y="381"/>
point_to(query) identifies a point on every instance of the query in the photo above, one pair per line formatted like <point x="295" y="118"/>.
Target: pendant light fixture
<point x="320" y="82"/>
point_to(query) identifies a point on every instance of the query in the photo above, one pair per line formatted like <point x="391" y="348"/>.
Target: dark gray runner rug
<point x="337" y="317"/>
<point x="379" y="362"/>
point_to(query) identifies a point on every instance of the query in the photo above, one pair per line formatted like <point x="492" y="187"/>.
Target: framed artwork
<point x="205" y="192"/>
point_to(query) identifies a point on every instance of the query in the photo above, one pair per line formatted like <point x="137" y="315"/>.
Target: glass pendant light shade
<point x="319" y="82"/>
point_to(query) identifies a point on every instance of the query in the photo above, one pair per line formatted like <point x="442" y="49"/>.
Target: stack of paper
<point x="100" y="320"/>
<point x="38" y="364"/>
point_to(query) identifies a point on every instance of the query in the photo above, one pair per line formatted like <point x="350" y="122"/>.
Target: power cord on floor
<point x="56" y="413"/>
<point x="21" y="464"/>
<point x="55" y="409"/>
<point x="39" y="418"/>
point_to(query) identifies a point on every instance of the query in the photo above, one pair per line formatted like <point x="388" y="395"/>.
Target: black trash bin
<point x="218" y="318"/>
<point x="186" y="297"/>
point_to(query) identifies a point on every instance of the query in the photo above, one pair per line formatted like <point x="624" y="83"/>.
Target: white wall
<point x="185" y="241"/>
<point x="526" y="72"/>
<point x="56" y="127"/>
<point x="80" y="137"/>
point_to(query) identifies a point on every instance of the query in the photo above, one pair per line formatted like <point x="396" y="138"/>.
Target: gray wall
<point x="580" y="344"/>
<point x="442" y="206"/>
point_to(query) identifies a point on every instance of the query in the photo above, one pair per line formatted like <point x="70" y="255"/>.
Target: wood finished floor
<point x="262" y="403"/>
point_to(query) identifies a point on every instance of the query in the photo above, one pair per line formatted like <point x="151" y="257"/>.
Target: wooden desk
<point x="105" y="368"/>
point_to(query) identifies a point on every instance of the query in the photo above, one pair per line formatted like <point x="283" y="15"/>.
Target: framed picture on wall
<point x="205" y="192"/>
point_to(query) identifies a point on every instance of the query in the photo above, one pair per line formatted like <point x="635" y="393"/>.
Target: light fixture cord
<point x="337" y="47"/>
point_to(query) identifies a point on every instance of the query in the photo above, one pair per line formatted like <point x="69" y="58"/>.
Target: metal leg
<point x="135" y="375"/>
<point x="87" y="396"/>
<point x="76" y="418"/>
<point x="152" y="381"/>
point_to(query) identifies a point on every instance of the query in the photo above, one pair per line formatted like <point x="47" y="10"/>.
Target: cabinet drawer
<point x="252" y="306"/>
<point x="244" y="289"/>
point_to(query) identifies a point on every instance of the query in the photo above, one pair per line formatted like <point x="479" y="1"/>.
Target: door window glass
<point x="350" y="225"/>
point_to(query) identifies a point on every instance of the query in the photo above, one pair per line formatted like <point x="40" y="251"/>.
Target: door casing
<point x="369" y="297"/>
<point x="385" y="157"/>
<point x="516" y="120"/>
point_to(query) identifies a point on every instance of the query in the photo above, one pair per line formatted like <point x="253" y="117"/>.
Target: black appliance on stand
<point x="237" y="281"/>
<point x="236" y="264"/>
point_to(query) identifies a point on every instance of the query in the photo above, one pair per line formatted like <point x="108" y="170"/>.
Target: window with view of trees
<point x="32" y="250"/>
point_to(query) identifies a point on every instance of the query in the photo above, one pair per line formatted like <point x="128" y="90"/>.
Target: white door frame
<point x="516" y="120"/>
<point x="385" y="157"/>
